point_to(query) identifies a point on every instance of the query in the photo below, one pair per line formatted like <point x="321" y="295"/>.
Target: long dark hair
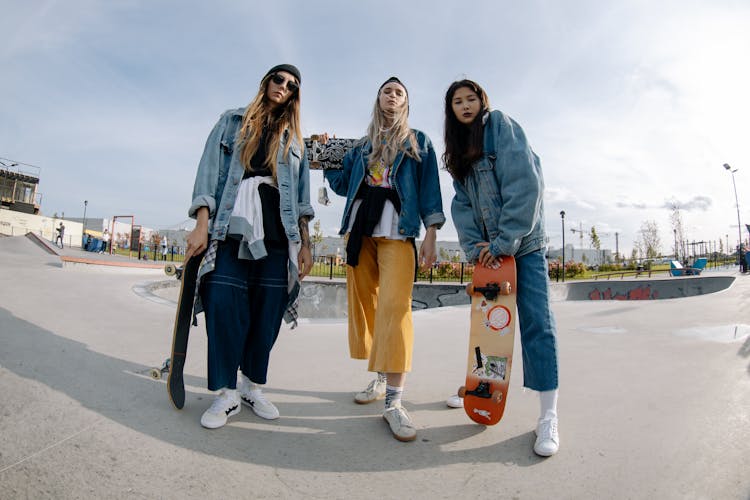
<point x="464" y="144"/>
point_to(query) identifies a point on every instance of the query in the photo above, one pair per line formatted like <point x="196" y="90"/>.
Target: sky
<point x="633" y="106"/>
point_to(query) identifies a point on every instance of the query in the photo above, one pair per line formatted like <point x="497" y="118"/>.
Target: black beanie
<point x="289" y="68"/>
<point x="394" y="79"/>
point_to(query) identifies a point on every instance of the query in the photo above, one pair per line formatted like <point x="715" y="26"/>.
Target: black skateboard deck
<point x="187" y="275"/>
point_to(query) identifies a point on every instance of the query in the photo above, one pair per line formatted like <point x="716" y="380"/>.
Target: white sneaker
<point x="400" y="423"/>
<point x="455" y="401"/>
<point x="252" y="396"/>
<point x="547" y="439"/>
<point x="225" y="405"/>
<point x="374" y="391"/>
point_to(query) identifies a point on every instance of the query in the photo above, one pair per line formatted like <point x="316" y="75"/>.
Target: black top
<point x="273" y="229"/>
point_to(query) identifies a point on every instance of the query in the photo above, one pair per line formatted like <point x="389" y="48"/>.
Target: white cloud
<point x="630" y="105"/>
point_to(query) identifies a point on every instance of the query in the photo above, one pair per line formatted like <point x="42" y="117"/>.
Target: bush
<point x="572" y="269"/>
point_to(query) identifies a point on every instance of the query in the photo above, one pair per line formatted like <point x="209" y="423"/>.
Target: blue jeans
<point x="536" y="323"/>
<point x="244" y="302"/>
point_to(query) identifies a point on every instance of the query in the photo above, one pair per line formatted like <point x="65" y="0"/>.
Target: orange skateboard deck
<point x="491" y="337"/>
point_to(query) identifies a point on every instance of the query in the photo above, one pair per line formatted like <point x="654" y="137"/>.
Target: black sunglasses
<point x="291" y="86"/>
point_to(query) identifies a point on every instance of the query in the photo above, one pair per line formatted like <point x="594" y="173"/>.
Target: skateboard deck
<point x="491" y="337"/>
<point x="329" y="155"/>
<point x="187" y="275"/>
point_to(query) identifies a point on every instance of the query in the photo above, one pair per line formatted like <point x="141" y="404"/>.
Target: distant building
<point x="589" y="256"/>
<point x="18" y="188"/>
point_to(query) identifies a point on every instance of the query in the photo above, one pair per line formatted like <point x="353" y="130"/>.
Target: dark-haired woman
<point x="498" y="210"/>
<point x="252" y="204"/>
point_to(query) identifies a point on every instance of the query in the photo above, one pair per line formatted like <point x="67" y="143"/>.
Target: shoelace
<point x="403" y="418"/>
<point x="548" y="429"/>
<point x="259" y="398"/>
<point x="221" y="403"/>
<point x="371" y="387"/>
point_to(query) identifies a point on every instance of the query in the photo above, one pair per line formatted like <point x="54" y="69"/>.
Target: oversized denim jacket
<point x="220" y="173"/>
<point x="416" y="183"/>
<point x="501" y="200"/>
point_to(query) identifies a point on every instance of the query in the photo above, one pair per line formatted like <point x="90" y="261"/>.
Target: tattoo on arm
<point x="304" y="232"/>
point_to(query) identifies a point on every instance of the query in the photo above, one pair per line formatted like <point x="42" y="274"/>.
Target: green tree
<point x="595" y="241"/>
<point x="317" y="236"/>
<point x="445" y="255"/>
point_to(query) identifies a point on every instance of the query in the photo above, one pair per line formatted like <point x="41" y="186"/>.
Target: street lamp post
<point x="83" y="235"/>
<point x="739" y="225"/>
<point x="562" y="218"/>
<point x="617" y="249"/>
<point x="675" y="245"/>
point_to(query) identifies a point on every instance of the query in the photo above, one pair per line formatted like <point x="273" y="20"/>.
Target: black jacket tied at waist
<point x="368" y="216"/>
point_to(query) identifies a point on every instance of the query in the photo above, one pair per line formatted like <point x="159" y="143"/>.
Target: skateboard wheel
<point x="155" y="373"/>
<point x="461" y="391"/>
<point x="505" y="288"/>
<point x="497" y="396"/>
<point x="170" y="269"/>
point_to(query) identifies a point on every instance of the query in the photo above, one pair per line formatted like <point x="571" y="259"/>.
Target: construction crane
<point x="581" y="232"/>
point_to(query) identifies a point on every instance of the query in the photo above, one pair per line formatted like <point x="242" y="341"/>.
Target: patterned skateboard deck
<point x="491" y="337"/>
<point x="329" y="155"/>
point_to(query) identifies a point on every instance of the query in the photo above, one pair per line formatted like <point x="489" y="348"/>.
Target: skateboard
<point x="187" y="274"/>
<point x="491" y="337"/>
<point x="329" y="155"/>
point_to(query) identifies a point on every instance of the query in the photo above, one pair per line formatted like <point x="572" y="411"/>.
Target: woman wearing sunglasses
<point x="498" y="210"/>
<point x="390" y="180"/>
<point x="251" y="201"/>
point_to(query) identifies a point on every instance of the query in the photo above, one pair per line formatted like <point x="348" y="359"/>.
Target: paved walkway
<point x="654" y="403"/>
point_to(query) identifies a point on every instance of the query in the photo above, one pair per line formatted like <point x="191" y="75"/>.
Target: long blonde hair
<point x="387" y="141"/>
<point x="260" y="114"/>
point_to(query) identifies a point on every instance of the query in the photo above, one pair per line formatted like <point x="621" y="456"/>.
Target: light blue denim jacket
<point x="501" y="200"/>
<point x="220" y="173"/>
<point x="416" y="183"/>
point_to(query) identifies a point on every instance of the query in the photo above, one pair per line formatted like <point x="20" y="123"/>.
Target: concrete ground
<point x="654" y="402"/>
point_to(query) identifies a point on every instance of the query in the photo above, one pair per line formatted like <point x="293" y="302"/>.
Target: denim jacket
<point x="220" y="173"/>
<point x="416" y="183"/>
<point x="501" y="200"/>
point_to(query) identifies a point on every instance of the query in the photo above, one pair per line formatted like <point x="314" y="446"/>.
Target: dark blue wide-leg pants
<point x="244" y="302"/>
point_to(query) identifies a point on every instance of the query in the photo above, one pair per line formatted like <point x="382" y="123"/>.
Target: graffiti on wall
<point x="635" y="293"/>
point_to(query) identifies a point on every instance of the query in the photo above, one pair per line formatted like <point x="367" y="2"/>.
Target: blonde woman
<point x="390" y="180"/>
<point x="252" y="204"/>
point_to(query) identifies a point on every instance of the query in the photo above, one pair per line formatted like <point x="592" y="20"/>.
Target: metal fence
<point x="445" y="272"/>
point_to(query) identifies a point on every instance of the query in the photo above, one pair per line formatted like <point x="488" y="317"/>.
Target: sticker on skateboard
<point x="491" y="337"/>
<point x="494" y="367"/>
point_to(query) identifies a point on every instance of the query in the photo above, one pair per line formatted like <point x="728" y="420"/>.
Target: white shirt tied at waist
<point x="248" y="206"/>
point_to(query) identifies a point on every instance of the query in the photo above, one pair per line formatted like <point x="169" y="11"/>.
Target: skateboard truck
<point x="173" y="270"/>
<point x="482" y="391"/>
<point x="492" y="290"/>
<point x="156" y="373"/>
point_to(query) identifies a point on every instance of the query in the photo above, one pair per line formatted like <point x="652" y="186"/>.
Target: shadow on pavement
<point x="324" y="433"/>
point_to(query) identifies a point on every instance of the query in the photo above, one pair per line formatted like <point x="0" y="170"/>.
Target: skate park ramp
<point x="654" y="403"/>
<point x="645" y="289"/>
